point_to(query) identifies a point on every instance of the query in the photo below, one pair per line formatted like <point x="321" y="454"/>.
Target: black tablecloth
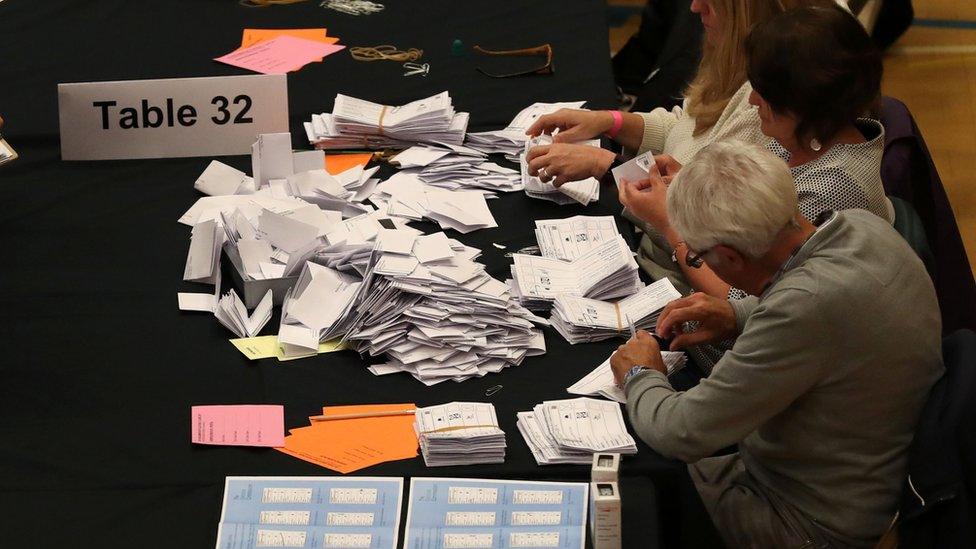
<point x="100" y="368"/>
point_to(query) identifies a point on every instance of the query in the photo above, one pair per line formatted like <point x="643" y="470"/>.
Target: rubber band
<point x="384" y="53"/>
<point x="382" y="114"/>
<point x="267" y="3"/>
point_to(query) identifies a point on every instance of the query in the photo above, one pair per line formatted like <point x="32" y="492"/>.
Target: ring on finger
<point x="543" y="174"/>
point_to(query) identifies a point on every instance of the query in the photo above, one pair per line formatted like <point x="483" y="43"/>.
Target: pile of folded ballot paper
<point x="459" y="433"/>
<point x="604" y="272"/>
<point x="572" y="430"/>
<point x="582" y="320"/>
<point x="359" y="124"/>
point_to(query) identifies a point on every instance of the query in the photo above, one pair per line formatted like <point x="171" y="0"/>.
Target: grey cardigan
<point x="826" y="380"/>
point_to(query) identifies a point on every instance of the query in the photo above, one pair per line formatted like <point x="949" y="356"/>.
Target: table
<point x="101" y="368"/>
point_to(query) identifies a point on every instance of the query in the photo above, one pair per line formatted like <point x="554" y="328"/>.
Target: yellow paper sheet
<point x="338" y="163"/>
<point x="256" y="348"/>
<point x="348" y="445"/>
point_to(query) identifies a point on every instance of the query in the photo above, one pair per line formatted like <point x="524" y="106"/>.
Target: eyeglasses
<point x="543" y="50"/>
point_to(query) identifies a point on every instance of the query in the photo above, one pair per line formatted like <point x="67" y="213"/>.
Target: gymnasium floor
<point x="933" y="70"/>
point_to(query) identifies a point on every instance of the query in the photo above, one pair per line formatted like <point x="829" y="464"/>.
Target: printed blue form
<point x="320" y="512"/>
<point x="455" y="513"/>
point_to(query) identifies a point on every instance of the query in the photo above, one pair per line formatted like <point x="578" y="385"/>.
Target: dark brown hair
<point x="817" y="63"/>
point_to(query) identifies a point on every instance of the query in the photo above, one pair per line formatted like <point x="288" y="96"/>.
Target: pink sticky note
<point x="279" y="55"/>
<point x="238" y="425"/>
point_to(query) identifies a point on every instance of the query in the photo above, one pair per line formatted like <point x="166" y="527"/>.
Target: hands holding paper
<point x="715" y="318"/>
<point x="561" y="163"/>
<point x="648" y="198"/>
<point x="643" y="350"/>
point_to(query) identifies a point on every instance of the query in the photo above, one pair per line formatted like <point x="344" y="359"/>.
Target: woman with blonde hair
<point x="716" y="104"/>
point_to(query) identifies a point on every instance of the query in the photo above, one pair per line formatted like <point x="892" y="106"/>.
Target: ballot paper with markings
<point x="321" y="512"/>
<point x="460" y="433"/>
<point x="581" y="320"/>
<point x="572" y="430"/>
<point x="605" y="272"/>
<point x="454" y="513"/>
<point x="572" y="237"/>
<point x="601" y="382"/>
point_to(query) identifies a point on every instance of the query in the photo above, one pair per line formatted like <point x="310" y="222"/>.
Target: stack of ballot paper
<point x="582" y="320"/>
<point x="422" y="300"/>
<point x="605" y="272"/>
<point x="601" y="382"/>
<point x="460" y="433"/>
<point x="582" y="192"/>
<point x="456" y="168"/>
<point x="405" y="195"/>
<point x="572" y="237"/>
<point x="360" y="124"/>
<point x="571" y="431"/>
<point x="511" y="140"/>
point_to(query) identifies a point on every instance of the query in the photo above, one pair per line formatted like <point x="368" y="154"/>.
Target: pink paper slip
<point x="238" y="425"/>
<point x="279" y="55"/>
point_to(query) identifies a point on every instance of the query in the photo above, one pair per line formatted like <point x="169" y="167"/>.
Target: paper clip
<point x="416" y="68"/>
<point x="492" y="390"/>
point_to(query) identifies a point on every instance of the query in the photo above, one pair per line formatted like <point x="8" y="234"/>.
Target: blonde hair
<point x="722" y="70"/>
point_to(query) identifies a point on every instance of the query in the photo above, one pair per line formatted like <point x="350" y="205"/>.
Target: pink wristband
<point x="618" y="122"/>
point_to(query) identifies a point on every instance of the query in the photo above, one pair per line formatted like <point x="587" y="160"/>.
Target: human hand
<point x="667" y="166"/>
<point x="573" y="125"/>
<point x="640" y="350"/>
<point x="561" y="163"/>
<point x="715" y="317"/>
<point x="647" y="199"/>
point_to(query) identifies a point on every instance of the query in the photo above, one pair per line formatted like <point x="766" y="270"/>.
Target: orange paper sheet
<point x="253" y="36"/>
<point x="349" y="445"/>
<point x="338" y="163"/>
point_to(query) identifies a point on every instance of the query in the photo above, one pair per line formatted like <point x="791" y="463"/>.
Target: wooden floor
<point x="933" y="70"/>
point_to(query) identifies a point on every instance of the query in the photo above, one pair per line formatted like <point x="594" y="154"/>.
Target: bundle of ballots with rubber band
<point x="355" y="123"/>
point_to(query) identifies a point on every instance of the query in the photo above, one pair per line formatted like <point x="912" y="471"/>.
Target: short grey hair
<point x="732" y="193"/>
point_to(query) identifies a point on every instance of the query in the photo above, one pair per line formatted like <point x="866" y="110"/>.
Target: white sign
<point x="168" y="118"/>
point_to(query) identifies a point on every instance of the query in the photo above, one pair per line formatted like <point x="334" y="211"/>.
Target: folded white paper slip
<point x="232" y="313"/>
<point x="7" y="153"/>
<point x="203" y="257"/>
<point x="459" y="433"/>
<point x="600" y="381"/>
<point x="635" y="169"/>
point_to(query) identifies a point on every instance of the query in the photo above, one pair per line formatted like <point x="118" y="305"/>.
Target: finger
<point x="643" y="184"/>
<point x="560" y="180"/>
<point x="664" y="323"/>
<point x="549" y="174"/>
<point x="667" y="326"/>
<point x="537" y="164"/>
<point x="689" y="339"/>
<point x="537" y="151"/>
<point x="544" y="124"/>
<point x="567" y="136"/>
